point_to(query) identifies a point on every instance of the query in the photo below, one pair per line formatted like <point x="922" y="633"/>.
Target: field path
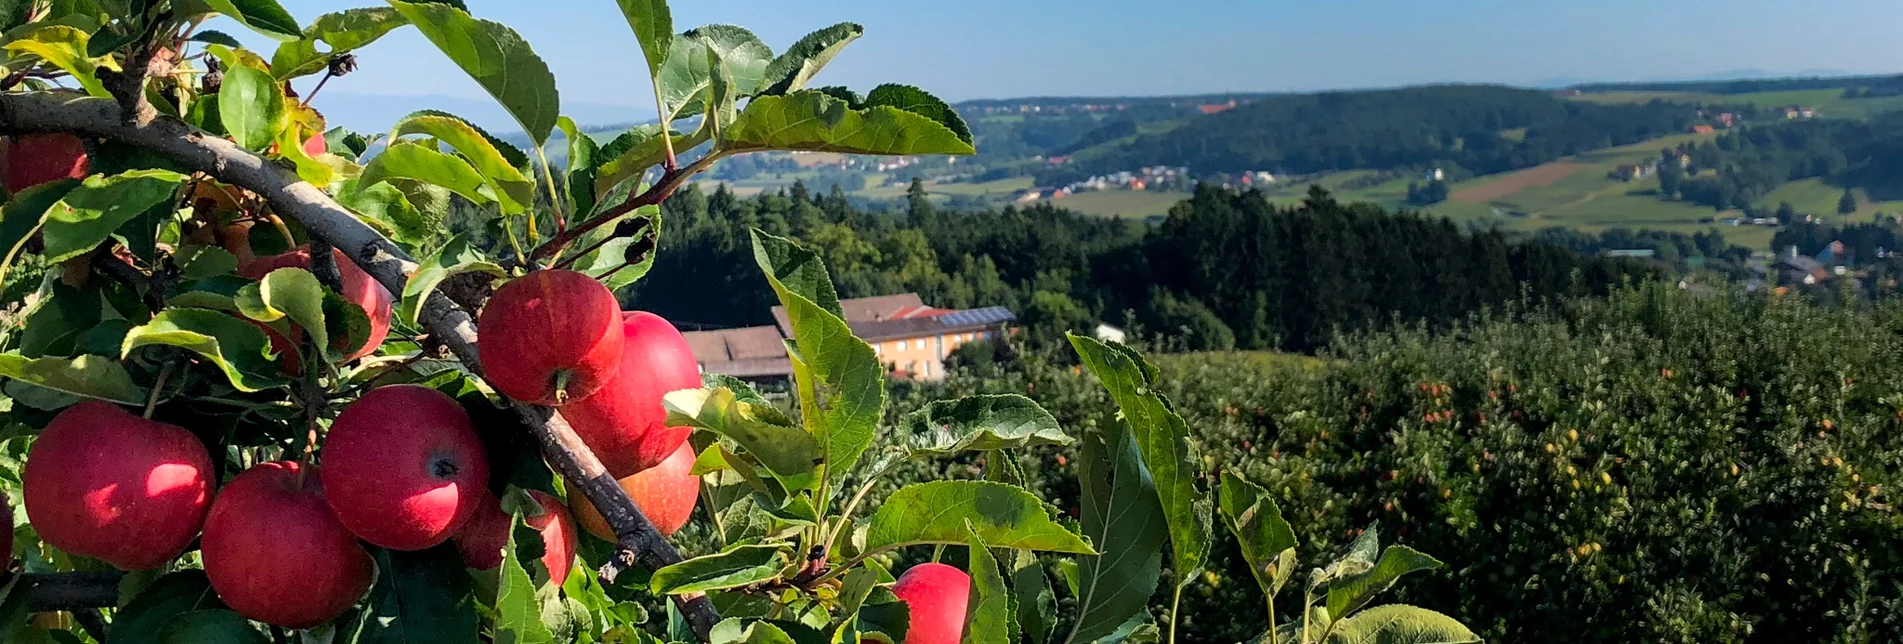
<point x="1513" y="182"/>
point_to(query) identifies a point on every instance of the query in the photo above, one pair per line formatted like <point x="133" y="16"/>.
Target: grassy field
<point x="1806" y="98"/>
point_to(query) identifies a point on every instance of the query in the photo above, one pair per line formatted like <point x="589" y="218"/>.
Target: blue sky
<point x="1005" y="48"/>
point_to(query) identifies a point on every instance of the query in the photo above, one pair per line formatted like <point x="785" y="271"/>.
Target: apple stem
<point x="158" y="386"/>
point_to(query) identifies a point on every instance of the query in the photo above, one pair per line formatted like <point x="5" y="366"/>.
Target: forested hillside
<point x="1225" y="270"/>
<point x="1738" y="168"/>
<point x="1472" y="129"/>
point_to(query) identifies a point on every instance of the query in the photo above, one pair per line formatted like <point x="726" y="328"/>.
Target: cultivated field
<point x="1513" y="182"/>
<point x="1122" y="203"/>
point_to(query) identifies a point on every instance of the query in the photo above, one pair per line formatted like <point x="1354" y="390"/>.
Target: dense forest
<point x="1224" y="269"/>
<point x="1866" y="85"/>
<point x="1465" y="129"/>
<point x="1740" y="167"/>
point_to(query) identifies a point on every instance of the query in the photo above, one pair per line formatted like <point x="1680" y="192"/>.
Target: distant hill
<point x="1468" y="129"/>
<point x="1888" y="84"/>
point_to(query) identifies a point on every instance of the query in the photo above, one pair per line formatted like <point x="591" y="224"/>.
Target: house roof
<point x="861" y="309"/>
<point x="949" y="322"/>
<point x="741" y="353"/>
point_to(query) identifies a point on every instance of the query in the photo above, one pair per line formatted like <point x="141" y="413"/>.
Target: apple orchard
<point x="255" y="393"/>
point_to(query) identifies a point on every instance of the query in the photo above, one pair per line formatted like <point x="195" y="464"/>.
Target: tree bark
<point x="43" y="112"/>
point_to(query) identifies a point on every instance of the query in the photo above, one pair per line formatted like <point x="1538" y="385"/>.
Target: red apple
<point x="936" y="594"/>
<point x="624" y="423"/>
<point x="666" y="494"/>
<point x="403" y="467"/>
<point x="316" y="145"/>
<point x="551" y="337"/>
<point x="106" y="484"/>
<point x="33" y="159"/>
<point x="276" y="554"/>
<point x="359" y="289"/>
<point x="487" y="533"/>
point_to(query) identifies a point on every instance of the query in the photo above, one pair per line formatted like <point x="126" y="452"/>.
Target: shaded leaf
<point x="26" y="209"/>
<point x="1120" y="513"/>
<point x="233" y="345"/>
<point x="90" y="213"/>
<point x="736" y="567"/>
<point x="518" y="613"/>
<point x="1264" y="536"/>
<point x="1351" y="593"/>
<point x="211" y="627"/>
<point x="918" y="101"/>
<point x="87" y="376"/>
<point x="813" y="121"/>
<point x="687" y="75"/>
<point x="386" y="207"/>
<point x="583" y="163"/>
<point x="738" y="631"/>
<point x="991" y="616"/>
<point x="980" y="423"/>
<point x="936" y="512"/>
<point x="498" y="58"/>
<point x="1162" y="438"/>
<point x="1037" y="605"/>
<point x="420" y="597"/>
<point x="454" y="258"/>
<point x="794" y="68"/>
<point x="174" y="594"/>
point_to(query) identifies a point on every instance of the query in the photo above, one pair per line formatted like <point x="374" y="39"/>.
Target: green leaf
<point x="936" y="512"/>
<point x="63" y="47"/>
<point x="170" y="596"/>
<point x="584" y="162"/>
<point x="343" y="31"/>
<point x="251" y="106"/>
<point x="1037" y="605"/>
<point x="88" y="376"/>
<point x="498" y="58"/>
<point x="991" y="618"/>
<point x="89" y="214"/>
<point x="1266" y="539"/>
<point x="609" y="264"/>
<point x="917" y="101"/>
<point x="653" y="27"/>
<point x="235" y="346"/>
<point x="1121" y="513"/>
<point x="63" y="313"/>
<point x="518" y="613"/>
<point x="454" y="258"/>
<point x="840" y="381"/>
<point x="199" y="262"/>
<point x="635" y="151"/>
<point x="787" y="452"/>
<point x="263" y="16"/>
<point x="420" y="597"/>
<point x="793" y="69"/>
<point x="738" y="631"/>
<point x="287" y="293"/>
<point x="211" y="627"/>
<point x="1351" y="593"/>
<point x="415" y="161"/>
<point x="687" y="75"/>
<point x="215" y="37"/>
<point x="1162" y="438"/>
<point x="26" y="209"/>
<point x="485" y="153"/>
<point x="810" y="120"/>
<point x="388" y="208"/>
<point x="736" y="567"/>
<point x="1400" y="624"/>
<point x="980" y="423"/>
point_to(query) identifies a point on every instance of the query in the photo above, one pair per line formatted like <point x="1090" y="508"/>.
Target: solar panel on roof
<point x="989" y="315"/>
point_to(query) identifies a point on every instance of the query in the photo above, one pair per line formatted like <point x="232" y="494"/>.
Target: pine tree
<point x="1847" y="204"/>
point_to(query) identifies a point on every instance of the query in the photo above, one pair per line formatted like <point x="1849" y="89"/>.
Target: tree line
<point x="1464" y="129"/>
<point x="1738" y="168"/>
<point x="1224" y="269"/>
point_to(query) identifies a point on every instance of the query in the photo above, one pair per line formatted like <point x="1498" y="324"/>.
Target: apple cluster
<point x="401" y="467"/>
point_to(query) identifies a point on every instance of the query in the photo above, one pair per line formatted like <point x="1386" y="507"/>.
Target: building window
<point x="919" y="344"/>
